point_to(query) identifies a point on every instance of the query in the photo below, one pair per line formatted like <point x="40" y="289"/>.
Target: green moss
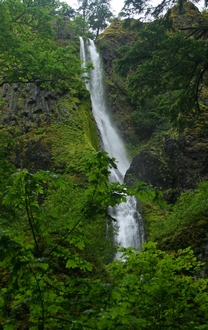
<point x="186" y="223"/>
<point x="152" y="214"/>
<point x="193" y="236"/>
<point x="117" y="29"/>
<point x="154" y="146"/>
<point x="74" y="137"/>
<point x="59" y="142"/>
<point x="89" y="126"/>
<point x="115" y="36"/>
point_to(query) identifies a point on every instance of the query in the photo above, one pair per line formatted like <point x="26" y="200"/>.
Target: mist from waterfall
<point x="129" y="222"/>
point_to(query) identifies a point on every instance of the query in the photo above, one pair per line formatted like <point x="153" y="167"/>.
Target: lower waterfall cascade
<point x="129" y="222"/>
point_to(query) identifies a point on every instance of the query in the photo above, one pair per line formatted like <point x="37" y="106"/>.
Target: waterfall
<point x="129" y="222"/>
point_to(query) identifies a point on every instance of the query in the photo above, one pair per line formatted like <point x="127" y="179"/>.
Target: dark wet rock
<point x="180" y="163"/>
<point x="27" y="105"/>
<point x="34" y="155"/>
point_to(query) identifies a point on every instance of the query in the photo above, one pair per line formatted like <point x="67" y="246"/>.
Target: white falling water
<point x="129" y="222"/>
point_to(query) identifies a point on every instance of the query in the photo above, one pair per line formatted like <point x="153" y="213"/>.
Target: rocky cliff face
<point x="179" y="161"/>
<point x="50" y="130"/>
<point x="28" y="106"/>
<point x="47" y="127"/>
<point x="176" y="166"/>
<point x="114" y="37"/>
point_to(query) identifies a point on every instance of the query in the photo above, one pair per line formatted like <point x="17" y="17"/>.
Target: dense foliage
<point x="166" y="75"/>
<point x="155" y="290"/>
<point x="56" y="236"/>
<point x="53" y="267"/>
<point x="185" y="223"/>
<point x="56" y="256"/>
<point x="29" y="52"/>
<point x="47" y="243"/>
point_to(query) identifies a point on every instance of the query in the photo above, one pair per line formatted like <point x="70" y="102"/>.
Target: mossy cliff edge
<point x="51" y="131"/>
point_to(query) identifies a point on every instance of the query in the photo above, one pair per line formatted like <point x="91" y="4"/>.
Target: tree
<point x="96" y="13"/>
<point x="47" y="262"/>
<point x="68" y="11"/>
<point x="51" y="277"/>
<point x="132" y="7"/>
<point x="84" y="7"/>
<point x="29" y="52"/>
<point x="166" y="73"/>
<point x="99" y="15"/>
<point x="153" y="290"/>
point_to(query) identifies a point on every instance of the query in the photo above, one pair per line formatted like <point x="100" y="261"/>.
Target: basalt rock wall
<point x="27" y="106"/>
<point x="178" y="165"/>
<point x="47" y="128"/>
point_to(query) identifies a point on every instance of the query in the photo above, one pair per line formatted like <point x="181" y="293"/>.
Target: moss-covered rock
<point x="109" y="42"/>
<point x="187" y="16"/>
<point x="179" y="163"/>
<point x="114" y="37"/>
<point x="51" y="131"/>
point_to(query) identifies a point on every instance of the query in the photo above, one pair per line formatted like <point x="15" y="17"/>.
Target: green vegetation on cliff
<point x="157" y="81"/>
<point x="157" y="71"/>
<point x="186" y="224"/>
<point x="166" y="74"/>
<point x="56" y="236"/>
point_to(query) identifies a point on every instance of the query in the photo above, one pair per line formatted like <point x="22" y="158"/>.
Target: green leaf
<point x="71" y="264"/>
